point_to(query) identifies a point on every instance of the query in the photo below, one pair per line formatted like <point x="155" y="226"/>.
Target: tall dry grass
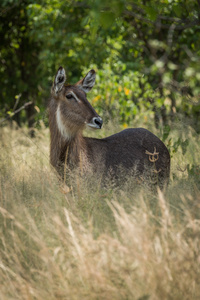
<point x="84" y="241"/>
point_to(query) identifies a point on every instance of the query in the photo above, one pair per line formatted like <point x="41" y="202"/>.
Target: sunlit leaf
<point x="152" y="12"/>
<point x="106" y="19"/>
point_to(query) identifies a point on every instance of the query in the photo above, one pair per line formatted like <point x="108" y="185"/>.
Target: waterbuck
<point x="135" y="151"/>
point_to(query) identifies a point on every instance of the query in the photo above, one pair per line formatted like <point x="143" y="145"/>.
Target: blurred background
<point x="146" y="54"/>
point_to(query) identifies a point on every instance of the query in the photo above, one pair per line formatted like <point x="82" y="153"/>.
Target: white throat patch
<point x="65" y="134"/>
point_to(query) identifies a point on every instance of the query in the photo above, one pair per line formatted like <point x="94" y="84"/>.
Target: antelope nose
<point x="98" y="121"/>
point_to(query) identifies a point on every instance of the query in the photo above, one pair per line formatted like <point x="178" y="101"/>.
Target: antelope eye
<point x="69" y="96"/>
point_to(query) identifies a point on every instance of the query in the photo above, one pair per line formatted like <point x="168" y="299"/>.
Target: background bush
<point x="146" y="54"/>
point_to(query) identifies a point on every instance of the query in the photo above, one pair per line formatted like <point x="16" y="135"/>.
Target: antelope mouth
<point x="96" y="122"/>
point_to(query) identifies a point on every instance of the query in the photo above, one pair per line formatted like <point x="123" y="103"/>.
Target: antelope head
<point x="73" y="110"/>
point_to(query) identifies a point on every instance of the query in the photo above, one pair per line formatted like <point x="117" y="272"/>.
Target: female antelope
<point x="136" y="151"/>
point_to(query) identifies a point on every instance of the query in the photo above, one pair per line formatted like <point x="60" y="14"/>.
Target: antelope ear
<point x="59" y="80"/>
<point x="87" y="83"/>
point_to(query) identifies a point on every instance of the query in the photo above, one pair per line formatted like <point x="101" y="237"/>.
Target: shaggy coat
<point x="134" y="151"/>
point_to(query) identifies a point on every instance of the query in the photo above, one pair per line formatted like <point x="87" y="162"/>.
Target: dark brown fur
<point x="129" y="150"/>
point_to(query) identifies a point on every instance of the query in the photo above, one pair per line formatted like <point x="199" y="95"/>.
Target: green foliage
<point x="122" y="94"/>
<point x="146" y="52"/>
<point x="174" y="144"/>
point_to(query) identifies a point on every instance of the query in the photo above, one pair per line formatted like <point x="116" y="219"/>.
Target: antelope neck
<point x="72" y="147"/>
<point x="66" y="135"/>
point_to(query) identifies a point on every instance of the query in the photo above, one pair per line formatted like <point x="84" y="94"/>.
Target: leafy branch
<point x="16" y="112"/>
